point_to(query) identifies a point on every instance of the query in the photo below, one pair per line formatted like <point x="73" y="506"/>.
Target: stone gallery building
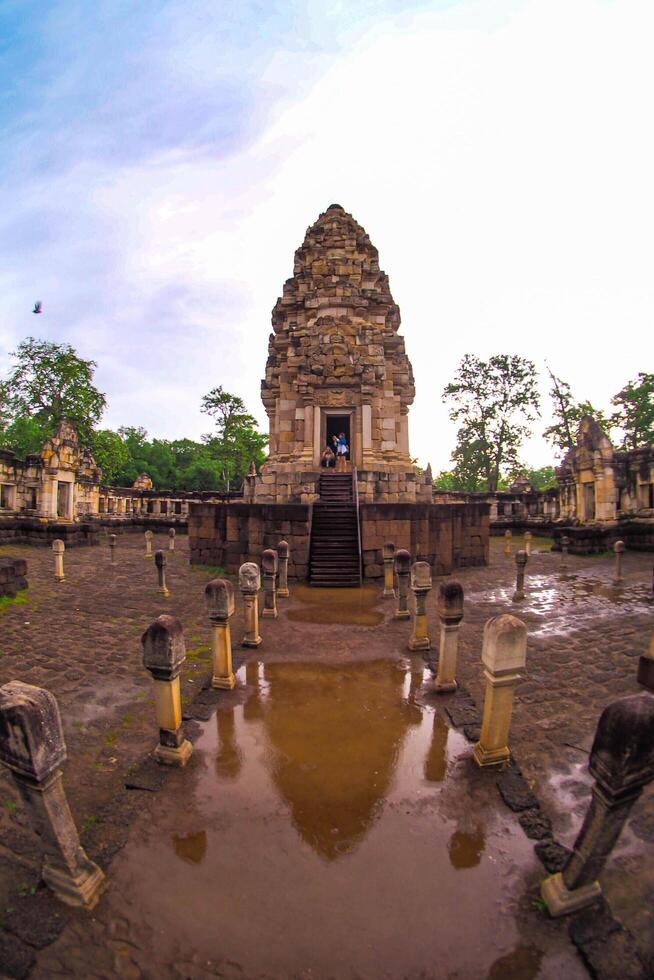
<point x="337" y="367"/>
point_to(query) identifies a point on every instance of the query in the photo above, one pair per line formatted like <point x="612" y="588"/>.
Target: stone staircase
<point x="334" y="559"/>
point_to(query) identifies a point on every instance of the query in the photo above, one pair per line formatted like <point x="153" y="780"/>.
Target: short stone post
<point x="58" y="548"/>
<point x="112" y="547"/>
<point x="520" y="561"/>
<point x="161" y="561"/>
<point x="528" y="537"/>
<point x="388" y="554"/>
<point x="249" y="581"/>
<point x="219" y="597"/>
<point x="619" y="549"/>
<point x="148" y="544"/>
<point x="32" y="747"/>
<point x="508" y="550"/>
<point x="283" y="552"/>
<point x="565" y="544"/>
<point x="421" y="585"/>
<point x="269" y="566"/>
<point x="622" y="763"/>
<point x="402" y="570"/>
<point x="450" y="613"/>
<point x="171" y="539"/>
<point x="164" y="653"/>
<point x="504" y="655"/>
<point x="645" y="675"/>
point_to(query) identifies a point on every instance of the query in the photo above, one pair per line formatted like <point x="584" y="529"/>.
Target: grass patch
<point x="212" y="570"/>
<point x="201" y="652"/>
<point x="10" y="806"/>
<point x="127" y="719"/>
<point x="110" y="738"/>
<point x="89" y="822"/>
<point x="13" y="600"/>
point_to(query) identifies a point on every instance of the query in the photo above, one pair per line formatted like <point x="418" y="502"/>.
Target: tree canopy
<point x="635" y="415"/>
<point x="492" y="401"/>
<point x="567" y="415"/>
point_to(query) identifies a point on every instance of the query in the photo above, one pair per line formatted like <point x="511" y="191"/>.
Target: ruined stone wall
<point x="448" y="536"/>
<point x="230" y="534"/>
<point x="13" y="576"/>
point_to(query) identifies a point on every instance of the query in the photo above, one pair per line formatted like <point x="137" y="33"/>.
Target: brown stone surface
<point x="81" y="640"/>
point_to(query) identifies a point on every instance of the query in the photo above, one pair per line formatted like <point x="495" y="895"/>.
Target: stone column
<point x="283" y="553"/>
<point x="58" y="548"/>
<point x="622" y="763"/>
<point x="508" y="550"/>
<point x="565" y="544"/>
<point x="269" y="566"/>
<point x="402" y="570"/>
<point x="450" y="613"/>
<point x="161" y="561"/>
<point x="619" y="549"/>
<point x="421" y="585"/>
<point x="388" y="553"/>
<point x="528" y="543"/>
<point x="171" y="539"/>
<point x="504" y="655"/>
<point x="520" y="561"/>
<point x="112" y="548"/>
<point x="164" y="653"/>
<point x="249" y="581"/>
<point x="219" y="597"/>
<point x="32" y="747"/>
<point x="148" y="544"/>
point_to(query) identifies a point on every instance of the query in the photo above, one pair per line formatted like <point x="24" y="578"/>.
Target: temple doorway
<point x="335" y="424"/>
<point x="64" y="509"/>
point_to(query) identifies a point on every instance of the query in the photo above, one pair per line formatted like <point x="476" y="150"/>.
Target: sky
<point x="160" y="162"/>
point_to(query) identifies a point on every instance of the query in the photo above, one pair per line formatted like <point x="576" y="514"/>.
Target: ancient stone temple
<point x="337" y="364"/>
<point x="337" y="367"/>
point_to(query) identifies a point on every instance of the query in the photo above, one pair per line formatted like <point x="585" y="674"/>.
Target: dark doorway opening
<point x="335" y="425"/>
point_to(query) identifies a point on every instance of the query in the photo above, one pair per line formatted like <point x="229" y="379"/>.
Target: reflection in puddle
<point x="191" y="847"/>
<point x="354" y="607"/>
<point x="436" y="761"/>
<point x="523" y="963"/>
<point x="228" y="758"/>
<point x="465" y="849"/>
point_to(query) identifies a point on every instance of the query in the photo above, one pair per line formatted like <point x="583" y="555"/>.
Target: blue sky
<point x="160" y="163"/>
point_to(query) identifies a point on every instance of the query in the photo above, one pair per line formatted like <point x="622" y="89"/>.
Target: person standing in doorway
<point x="342" y="447"/>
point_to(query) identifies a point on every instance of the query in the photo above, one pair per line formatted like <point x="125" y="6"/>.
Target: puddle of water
<point x="334" y="826"/>
<point x="326" y="607"/>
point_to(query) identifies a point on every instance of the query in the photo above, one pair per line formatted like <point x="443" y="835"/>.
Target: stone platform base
<point x="448" y="536"/>
<point x="590" y="539"/>
<point x="13" y="576"/>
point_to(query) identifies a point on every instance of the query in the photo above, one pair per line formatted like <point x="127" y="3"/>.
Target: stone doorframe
<point x="320" y="413"/>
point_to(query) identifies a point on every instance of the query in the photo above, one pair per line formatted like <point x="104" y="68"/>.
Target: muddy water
<point x="332" y="825"/>
<point x="351" y="607"/>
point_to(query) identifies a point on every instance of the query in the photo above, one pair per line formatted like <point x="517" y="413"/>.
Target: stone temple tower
<point x="336" y="363"/>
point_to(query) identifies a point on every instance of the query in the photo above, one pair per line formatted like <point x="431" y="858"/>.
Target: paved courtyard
<point x="81" y="640"/>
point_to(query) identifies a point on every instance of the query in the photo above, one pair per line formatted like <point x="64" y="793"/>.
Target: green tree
<point x="25" y="434"/>
<point x="635" y="415"/>
<point x="568" y="413"/>
<point x="236" y="441"/>
<point x="50" y="382"/>
<point x="541" y="479"/>
<point x="112" y="456"/>
<point x="493" y="401"/>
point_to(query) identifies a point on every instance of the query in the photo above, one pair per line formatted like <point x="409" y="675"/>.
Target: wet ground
<point x="331" y="822"/>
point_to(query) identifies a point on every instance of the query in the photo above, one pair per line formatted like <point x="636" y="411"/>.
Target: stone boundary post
<point x="508" y="549"/>
<point x="388" y="555"/>
<point x="421" y="586"/>
<point x="565" y="544"/>
<point x="450" y="613"/>
<point x="164" y="652"/>
<point x="249" y="580"/>
<point x="171" y="539"/>
<point x="619" y="549"/>
<point x="269" y="566"/>
<point x="521" y="562"/>
<point x="402" y="570"/>
<point x="112" y="547"/>
<point x="219" y="597"/>
<point x="504" y="655"/>
<point x="528" y="537"/>
<point x="622" y="763"/>
<point x="161" y="561"/>
<point x="283" y="552"/>
<point x="32" y="747"/>
<point x="645" y="674"/>
<point x="148" y="544"/>
<point x="58" y="548"/>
